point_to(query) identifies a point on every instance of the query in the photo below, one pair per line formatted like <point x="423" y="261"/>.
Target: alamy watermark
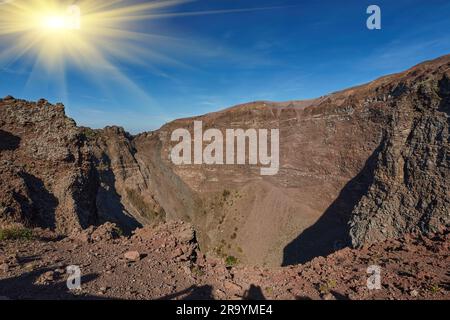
<point x="374" y="20"/>
<point x="74" y="278"/>
<point x="240" y="147"/>
<point x="374" y="280"/>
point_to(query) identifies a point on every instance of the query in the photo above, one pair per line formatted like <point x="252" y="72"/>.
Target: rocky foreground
<point x="164" y="262"/>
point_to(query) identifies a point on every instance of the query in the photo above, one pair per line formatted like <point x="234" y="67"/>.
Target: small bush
<point x="16" y="233"/>
<point x="325" y="288"/>
<point x="434" y="288"/>
<point x="231" y="261"/>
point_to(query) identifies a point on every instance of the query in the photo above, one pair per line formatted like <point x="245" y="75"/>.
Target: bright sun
<point x="68" y="20"/>
<point x="91" y="36"/>
<point x="87" y="34"/>
<point x="54" y="22"/>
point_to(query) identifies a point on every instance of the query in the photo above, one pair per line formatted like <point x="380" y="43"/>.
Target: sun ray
<point x="93" y="36"/>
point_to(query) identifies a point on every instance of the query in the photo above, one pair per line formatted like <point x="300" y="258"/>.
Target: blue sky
<point x="291" y="50"/>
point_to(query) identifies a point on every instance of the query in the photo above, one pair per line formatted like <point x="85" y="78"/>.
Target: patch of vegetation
<point x="434" y="289"/>
<point x="326" y="287"/>
<point x="231" y="261"/>
<point x="16" y="233"/>
<point x="233" y="236"/>
<point x="269" y="290"/>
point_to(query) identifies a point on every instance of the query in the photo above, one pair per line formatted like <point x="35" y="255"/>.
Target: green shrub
<point x="231" y="261"/>
<point x="16" y="233"/>
<point x="434" y="288"/>
<point x="325" y="288"/>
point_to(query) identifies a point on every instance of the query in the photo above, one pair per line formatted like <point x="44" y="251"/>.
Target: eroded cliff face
<point x="410" y="189"/>
<point x="357" y="166"/>
<point x="47" y="176"/>
<point x="59" y="176"/>
<point x="125" y="194"/>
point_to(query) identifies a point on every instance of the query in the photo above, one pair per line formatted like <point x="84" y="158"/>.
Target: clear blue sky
<point x="296" y="50"/>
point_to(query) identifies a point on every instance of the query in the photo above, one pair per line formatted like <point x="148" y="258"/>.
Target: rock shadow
<point x="8" y="141"/>
<point x="331" y="232"/>
<point x="254" y="293"/>
<point x="109" y="204"/>
<point x="192" y="293"/>
<point x="43" y="208"/>
<point x="25" y="287"/>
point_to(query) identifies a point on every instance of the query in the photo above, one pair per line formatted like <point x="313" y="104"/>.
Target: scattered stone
<point x="49" y="275"/>
<point x="414" y="293"/>
<point x="4" y="267"/>
<point x="29" y="266"/>
<point x="45" y="278"/>
<point x="60" y="271"/>
<point x="328" y="296"/>
<point x="132" y="256"/>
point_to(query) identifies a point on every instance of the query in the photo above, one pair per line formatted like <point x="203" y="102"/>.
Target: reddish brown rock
<point x="132" y="256"/>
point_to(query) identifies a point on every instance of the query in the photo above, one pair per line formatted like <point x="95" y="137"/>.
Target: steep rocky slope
<point x="356" y="166"/>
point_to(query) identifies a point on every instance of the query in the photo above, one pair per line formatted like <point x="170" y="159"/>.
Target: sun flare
<point x="97" y="38"/>
<point x="90" y="35"/>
